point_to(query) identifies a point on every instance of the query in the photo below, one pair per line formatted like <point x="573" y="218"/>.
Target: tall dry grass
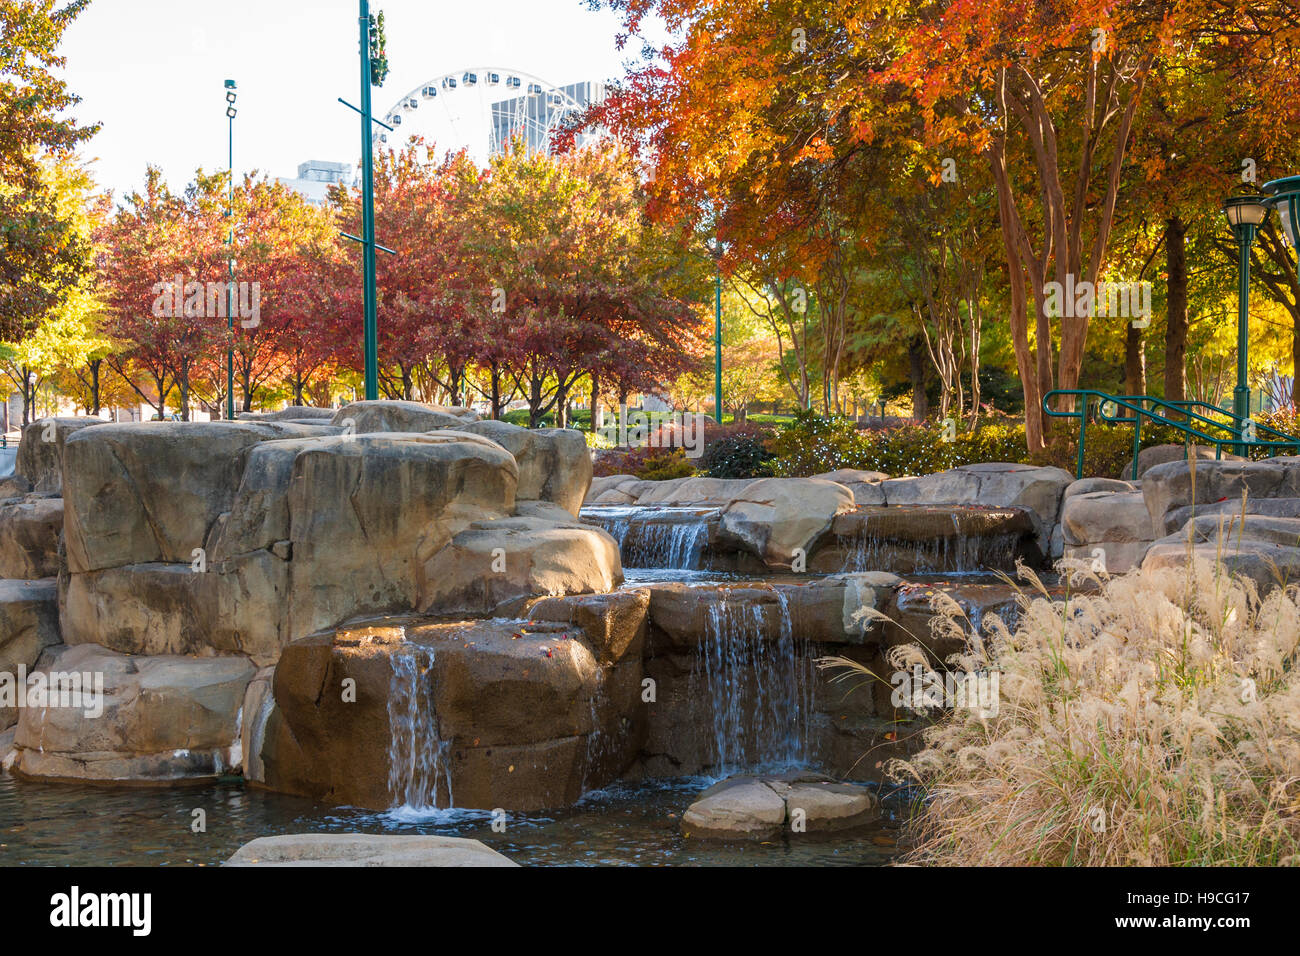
<point x="1153" y="722"/>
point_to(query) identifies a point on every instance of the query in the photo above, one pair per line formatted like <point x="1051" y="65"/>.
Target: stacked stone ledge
<point x="189" y="556"/>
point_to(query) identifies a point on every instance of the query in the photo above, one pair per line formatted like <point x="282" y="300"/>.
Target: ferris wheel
<point x="486" y="109"/>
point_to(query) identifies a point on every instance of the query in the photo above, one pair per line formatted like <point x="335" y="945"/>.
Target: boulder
<point x="358" y="516"/>
<point x="706" y="492"/>
<point x="675" y="492"/>
<point x="1263" y="548"/>
<point x="778" y="518"/>
<point x="865" y="485"/>
<point x="818" y="806"/>
<point x="14" y="486"/>
<point x="365" y="849"/>
<point x="1168" y="487"/>
<point x="388" y="415"/>
<point x="146" y="492"/>
<point x="606" y="490"/>
<point x="483" y="714"/>
<point x="292" y="413"/>
<point x="1149" y="458"/>
<point x="1270" y="507"/>
<point x="738" y="808"/>
<point x="508" y="559"/>
<point x="554" y="463"/>
<point x="29" y="623"/>
<point x="614" y="624"/>
<point x="747" y="807"/>
<point x="29" y="537"/>
<point x="235" y="607"/>
<point x="163" y="718"/>
<point x="1087" y="486"/>
<point x="315" y="532"/>
<point x="40" y="451"/>
<point x="1115" y="523"/>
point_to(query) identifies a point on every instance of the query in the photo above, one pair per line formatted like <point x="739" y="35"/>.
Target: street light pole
<point x="230" y="251"/>
<point x="371" y="330"/>
<point x="1245" y="214"/>
<point x="717" y="331"/>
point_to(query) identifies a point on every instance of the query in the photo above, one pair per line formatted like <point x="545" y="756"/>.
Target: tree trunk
<point x="1135" y="361"/>
<point x="916" y="368"/>
<point x="185" y="395"/>
<point x="561" y="406"/>
<point x="1176" y="327"/>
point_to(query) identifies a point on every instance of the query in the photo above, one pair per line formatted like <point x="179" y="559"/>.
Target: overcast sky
<point x="151" y="71"/>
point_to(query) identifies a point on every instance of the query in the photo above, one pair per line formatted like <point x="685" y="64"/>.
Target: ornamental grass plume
<point x="1154" y="721"/>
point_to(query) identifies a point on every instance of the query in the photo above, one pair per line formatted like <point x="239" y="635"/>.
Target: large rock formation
<point x="132" y="719"/>
<point x="486" y="713"/>
<point x="246" y="538"/>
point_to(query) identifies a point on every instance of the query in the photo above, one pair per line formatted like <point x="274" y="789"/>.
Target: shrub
<point x="650" y="464"/>
<point x="665" y="464"/>
<point x="740" y="456"/>
<point x="814" y="444"/>
<point x="811" y="444"/>
<point x="1151" y="722"/>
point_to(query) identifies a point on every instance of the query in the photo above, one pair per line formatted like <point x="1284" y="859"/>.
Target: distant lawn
<point x="582" y="418"/>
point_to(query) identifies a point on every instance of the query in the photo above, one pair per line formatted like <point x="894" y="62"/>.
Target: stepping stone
<point x="365" y="849"/>
<point x="749" y="807"/>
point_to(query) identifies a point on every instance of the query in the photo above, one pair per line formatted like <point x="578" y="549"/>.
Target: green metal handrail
<point x="1243" y="434"/>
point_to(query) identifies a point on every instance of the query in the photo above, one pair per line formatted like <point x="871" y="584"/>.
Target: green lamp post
<point x="716" y="249"/>
<point x="371" y="328"/>
<point x="1244" y="214"/>
<point x="230" y="250"/>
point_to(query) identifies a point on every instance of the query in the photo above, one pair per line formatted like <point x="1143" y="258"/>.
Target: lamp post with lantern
<point x="1245" y="215"/>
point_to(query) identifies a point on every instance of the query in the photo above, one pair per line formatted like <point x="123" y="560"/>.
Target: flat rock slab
<point x="751" y="807"/>
<point x="365" y="849"/>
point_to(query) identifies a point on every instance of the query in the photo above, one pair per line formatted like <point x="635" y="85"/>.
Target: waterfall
<point x="656" y="537"/>
<point x="758" y="689"/>
<point x="416" y="755"/>
<point x="960" y="554"/>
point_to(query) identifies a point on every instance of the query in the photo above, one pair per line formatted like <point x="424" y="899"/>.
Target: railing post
<point x="1137" y="442"/>
<point x="1083" y="435"/>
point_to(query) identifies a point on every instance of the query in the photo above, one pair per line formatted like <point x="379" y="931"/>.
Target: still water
<point x="45" y="824"/>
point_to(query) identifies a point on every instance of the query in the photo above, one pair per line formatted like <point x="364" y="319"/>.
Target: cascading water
<point x="950" y="539"/>
<point x="656" y="537"/>
<point x="758" y="689"/>
<point x="416" y="754"/>
<point x="961" y="554"/>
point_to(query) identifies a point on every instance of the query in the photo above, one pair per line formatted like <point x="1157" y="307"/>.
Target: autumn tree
<point x="42" y="255"/>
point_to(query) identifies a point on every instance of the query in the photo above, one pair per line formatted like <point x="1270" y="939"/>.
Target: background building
<point x="315" y="178"/>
